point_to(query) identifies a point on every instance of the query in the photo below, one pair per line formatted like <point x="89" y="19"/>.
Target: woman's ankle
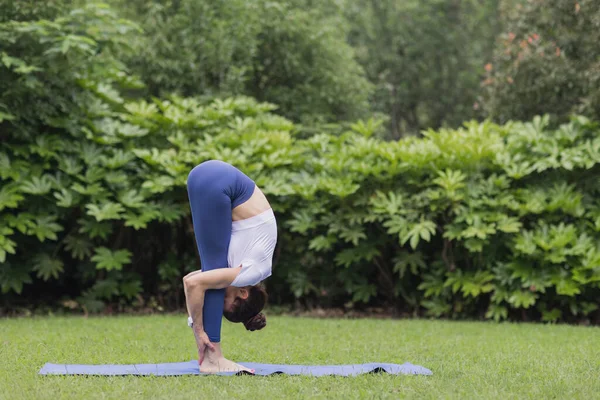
<point x="213" y="355"/>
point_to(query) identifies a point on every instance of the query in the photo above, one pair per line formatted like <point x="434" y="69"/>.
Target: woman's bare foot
<point x="222" y="365"/>
<point x="214" y="362"/>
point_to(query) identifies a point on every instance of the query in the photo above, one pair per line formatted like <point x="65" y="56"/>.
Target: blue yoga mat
<point x="191" y="368"/>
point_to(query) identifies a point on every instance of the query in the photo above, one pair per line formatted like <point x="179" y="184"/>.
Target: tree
<point x="31" y="10"/>
<point x="547" y="61"/>
<point x="425" y="57"/>
<point x="275" y="51"/>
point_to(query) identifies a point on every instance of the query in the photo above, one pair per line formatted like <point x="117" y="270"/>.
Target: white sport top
<point x="252" y="245"/>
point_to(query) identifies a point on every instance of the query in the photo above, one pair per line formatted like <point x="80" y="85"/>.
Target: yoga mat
<point x="191" y="368"/>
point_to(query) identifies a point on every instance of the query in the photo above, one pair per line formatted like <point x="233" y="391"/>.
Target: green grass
<point x="468" y="360"/>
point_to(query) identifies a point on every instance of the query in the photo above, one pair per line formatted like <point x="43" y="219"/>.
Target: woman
<point x="236" y="233"/>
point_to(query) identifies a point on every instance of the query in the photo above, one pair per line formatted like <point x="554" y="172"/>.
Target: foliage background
<point x="547" y="61"/>
<point x="286" y="52"/>
<point x="101" y="119"/>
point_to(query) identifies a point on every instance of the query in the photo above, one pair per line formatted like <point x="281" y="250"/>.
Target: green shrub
<point x="485" y="221"/>
<point x="58" y="86"/>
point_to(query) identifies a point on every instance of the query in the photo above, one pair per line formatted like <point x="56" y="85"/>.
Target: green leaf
<point x="17" y="65"/>
<point x="474" y="285"/>
<point x="433" y="284"/>
<point x="119" y="159"/>
<point x="140" y="221"/>
<point x="47" y="267"/>
<point x="587" y="307"/>
<point x="350" y="256"/>
<point x="566" y="287"/>
<point x="129" y="131"/>
<point x="436" y="307"/>
<point x="422" y="230"/>
<point x="79" y="247"/>
<point x="13" y="277"/>
<point x="455" y="280"/>
<point x="509" y="225"/>
<point x="478" y="229"/>
<point x="116" y="177"/>
<point x="70" y="166"/>
<point x="5" y="167"/>
<point x="347" y="257"/>
<point x="7" y="246"/>
<point x="109" y="260"/>
<point x="451" y="181"/>
<point x="94" y="228"/>
<point x="551" y="315"/>
<point x="105" y="211"/>
<point x="522" y="299"/>
<point x="474" y="245"/>
<point x="159" y="184"/>
<point x="387" y="203"/>
<point x="363" y="292"/>
<point x="94" y="174"/>
<point x="130" y="289"/>
<point x="65" y="198"/>
<point x="90" y="303"/>
<point x="322" y="243"/>
<point x="166" y="212"/>
<point x="45" y="227"/>
<point x="9" y="198"/>
<point x="368" y="128"/>
<point x="108" y="93"/>
<point x="90" y="153"/>
<point x="132" y="198"/>
<point x="300" y="284"/>
<point x="47" y="146"/>
<point x="21" y="222"/>
<point x="406" y="260"/>
<point x="6" y="117"/>
<point x="395" y="224"/>
<point x="496" y="312"/>
<point x="105" y="289"/>
<point x="37" y="185"/>
<point x="352" y="235"/>
<point x="90" y="190"/>
<point x="301" y="222"/>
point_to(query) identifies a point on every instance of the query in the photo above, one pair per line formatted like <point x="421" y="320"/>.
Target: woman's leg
<point x="211" y="216"/>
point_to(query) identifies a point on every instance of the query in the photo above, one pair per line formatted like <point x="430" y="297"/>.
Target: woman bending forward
<point x="236" y="233"/>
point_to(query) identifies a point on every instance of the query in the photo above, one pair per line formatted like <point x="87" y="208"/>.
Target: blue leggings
<point x="214" y="189"/>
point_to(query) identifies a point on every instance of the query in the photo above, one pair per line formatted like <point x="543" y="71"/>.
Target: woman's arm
<point x="196" y="284"/>
<point x="195" y="287"/>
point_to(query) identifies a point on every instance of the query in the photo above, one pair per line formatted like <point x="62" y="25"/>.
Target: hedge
<point x="486" y="221"/>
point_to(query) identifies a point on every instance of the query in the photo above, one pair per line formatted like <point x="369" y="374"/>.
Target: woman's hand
<point x="203" y="343"/>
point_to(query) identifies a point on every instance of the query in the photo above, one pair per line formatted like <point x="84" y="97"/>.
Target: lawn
<point x="469" y="360"/>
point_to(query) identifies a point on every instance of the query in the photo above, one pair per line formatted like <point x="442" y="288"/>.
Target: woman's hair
<point x="248" y="311"/>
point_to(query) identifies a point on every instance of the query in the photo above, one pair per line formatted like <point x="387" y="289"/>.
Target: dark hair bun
<point x="256" y="323"/>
